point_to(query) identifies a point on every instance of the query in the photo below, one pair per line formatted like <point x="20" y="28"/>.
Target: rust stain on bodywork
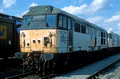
<point x="43" y="40"/>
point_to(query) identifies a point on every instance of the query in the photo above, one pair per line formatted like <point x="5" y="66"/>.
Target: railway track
<point x="9" y="63"/>
<point x="20" y="76"/>
<point x="47" y="76"/>
<point x="94" y="75"/>
<point x="92" y="70"/>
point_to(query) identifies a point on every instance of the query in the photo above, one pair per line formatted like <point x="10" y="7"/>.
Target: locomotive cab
<point x="39" y="33"/>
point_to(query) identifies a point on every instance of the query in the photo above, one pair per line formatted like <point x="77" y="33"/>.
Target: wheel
<point x="52" y="67"/>
<point x="29" y="64"/>
<point x="48" y="67"/>
<point x="45" y="67"/>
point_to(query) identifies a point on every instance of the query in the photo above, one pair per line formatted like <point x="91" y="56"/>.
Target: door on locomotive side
<point x="65" y="33"/>
<point x="70" y="34"/>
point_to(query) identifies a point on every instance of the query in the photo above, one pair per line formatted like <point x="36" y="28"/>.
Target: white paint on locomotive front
<point x="63" y="41"/>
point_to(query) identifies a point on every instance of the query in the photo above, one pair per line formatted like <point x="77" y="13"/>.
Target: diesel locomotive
<point x="50" y="37"/>
<point x="8" y="35"/>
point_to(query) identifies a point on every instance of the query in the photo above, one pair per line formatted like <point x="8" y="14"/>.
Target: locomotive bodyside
<point x="8" y="35"/>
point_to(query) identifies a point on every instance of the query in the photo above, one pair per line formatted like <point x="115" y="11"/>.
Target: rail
<point x="97" y="73"/>
<point x="30" y="73"/>
<point x="47" y="76"/>
<point x="20" y="75"/>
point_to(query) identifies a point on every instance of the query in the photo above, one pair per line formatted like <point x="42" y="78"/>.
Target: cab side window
<point x="64" y="22"/>
<point x="60" y="22"/>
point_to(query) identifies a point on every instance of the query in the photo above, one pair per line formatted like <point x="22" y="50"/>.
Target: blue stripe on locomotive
<point x="1" y="32"/>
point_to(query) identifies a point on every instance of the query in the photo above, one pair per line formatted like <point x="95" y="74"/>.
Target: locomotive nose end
<point x="18" y="55"/>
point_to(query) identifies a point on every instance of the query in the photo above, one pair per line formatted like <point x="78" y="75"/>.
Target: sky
<point x="104" y="13"/>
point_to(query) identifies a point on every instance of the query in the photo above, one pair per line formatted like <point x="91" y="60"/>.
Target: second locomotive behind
<point x="9" y="35"/>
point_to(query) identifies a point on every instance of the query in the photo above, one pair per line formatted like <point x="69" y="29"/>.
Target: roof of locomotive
<point x="47" y="9"/>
